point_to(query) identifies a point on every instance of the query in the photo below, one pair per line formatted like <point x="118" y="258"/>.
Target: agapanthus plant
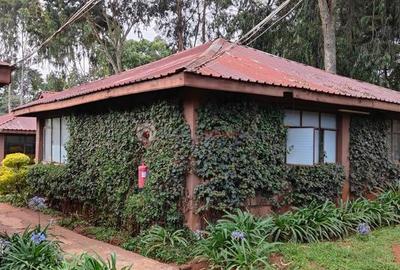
<point x="363" y="229"/>
<point x="37" y="203"/>
<point x="38" y="238"/>
<point x="238" y="235"/>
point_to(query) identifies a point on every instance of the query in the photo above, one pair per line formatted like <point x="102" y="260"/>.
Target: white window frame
<point x="318" y="157"/>
<point x="48" y="143"/>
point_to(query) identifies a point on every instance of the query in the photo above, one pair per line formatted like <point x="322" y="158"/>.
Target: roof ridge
<point x="214" y="51"/>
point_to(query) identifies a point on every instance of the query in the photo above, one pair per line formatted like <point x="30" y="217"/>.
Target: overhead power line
<point x="274" y="23"/>
<point x="76" y="16"/>
<point x="250" y="34"/>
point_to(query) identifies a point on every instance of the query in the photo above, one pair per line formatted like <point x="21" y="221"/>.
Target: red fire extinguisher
<point x="143" y="172"/>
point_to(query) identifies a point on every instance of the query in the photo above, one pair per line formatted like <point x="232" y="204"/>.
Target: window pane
<point x="329" y="146"/>
<point x="328" y="120"/>
<point x="47" y="141"/>
<point x="14" y="144"/>
<point x="64" y="138"/>
<point x="316" y="146"/>
<point x="292" y="118"/>
<point x="396" y="147"/>
<point x="310" y="119"/>
<point x="56" y="141"/>
<point x="299" y="144"/>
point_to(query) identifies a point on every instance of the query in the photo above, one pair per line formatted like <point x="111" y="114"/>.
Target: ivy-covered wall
<point x="241" y="153"/>
<point x="104" y="151"/>
<point x="371" y="167"/>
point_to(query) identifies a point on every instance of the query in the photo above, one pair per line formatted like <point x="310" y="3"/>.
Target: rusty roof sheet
<point x="223" y="59"/>
<point x="158" y="69"/>
<point x="4" y="64"/>
<point x="10" y="122"/>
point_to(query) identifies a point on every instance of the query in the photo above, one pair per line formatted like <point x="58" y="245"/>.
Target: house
<point x="319" y="107"/>
<point x="5" y="73"/>
<point x="17" y="135"/>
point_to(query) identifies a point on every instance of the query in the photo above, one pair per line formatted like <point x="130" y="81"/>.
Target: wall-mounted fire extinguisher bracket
<point x="143" y="173"/>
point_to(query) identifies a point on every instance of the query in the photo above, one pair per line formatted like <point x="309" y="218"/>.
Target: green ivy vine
<point x="104" y="152"/>
<point x="241" y="153"/>
<point x="371" y="167"/>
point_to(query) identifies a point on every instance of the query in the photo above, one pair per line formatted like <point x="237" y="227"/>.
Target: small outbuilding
<point x="5" y="73"/>
<point x="17" y="135"/>
<point x="264" y="132"/>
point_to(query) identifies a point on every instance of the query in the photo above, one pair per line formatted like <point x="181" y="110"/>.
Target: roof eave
<point x="173" y="81"/>
<point x="188" y="79"/>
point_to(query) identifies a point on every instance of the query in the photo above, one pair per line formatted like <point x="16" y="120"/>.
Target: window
<point x="311" y="137"/>
<point x="55" y="138"/>
<point x="20" y="144"/>
<point x="395" y="140"/>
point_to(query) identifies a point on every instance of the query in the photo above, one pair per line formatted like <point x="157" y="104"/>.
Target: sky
<point x="148" y="33"/>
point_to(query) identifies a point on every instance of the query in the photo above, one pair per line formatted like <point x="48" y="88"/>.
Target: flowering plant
<point x="4" y="245"/>
<point x="238" y="235"/>
<point x="38" y="238"/>
<point x="363" y="229"/>
<point x="37" y="203"/>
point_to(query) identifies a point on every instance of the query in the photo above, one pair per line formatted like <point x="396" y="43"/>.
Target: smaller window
<point x="311" y="137"/>
<point x="292" y="118"/>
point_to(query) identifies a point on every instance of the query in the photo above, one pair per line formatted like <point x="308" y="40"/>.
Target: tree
<point x="135" y="53"/>
<point x="111" y="22"/>
<point x="327" y="9"/>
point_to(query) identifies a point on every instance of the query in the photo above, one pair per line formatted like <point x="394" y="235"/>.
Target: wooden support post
<point x="2" y="146"/>
<point x="39" y="140"/>
<point x="190" y="104"/>
<point x="344" y="152"/>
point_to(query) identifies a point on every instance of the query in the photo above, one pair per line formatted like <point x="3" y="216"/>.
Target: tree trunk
<point x="327" y="13"/>
<point x="179" y="26"/>
<point x="203" y="27"/>
<point x="9" y="98"/>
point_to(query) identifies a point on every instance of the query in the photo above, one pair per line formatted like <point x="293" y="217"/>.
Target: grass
<point x="353" y="253"/>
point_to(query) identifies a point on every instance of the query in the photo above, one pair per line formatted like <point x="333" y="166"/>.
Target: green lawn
<point x="353" y="253"/>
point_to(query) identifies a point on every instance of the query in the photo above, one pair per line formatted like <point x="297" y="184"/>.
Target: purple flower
<point x="363" y="229"/>
<point x="199" y="234"/>
<point x="38" y="238"/>
<point x="238" y="235"/>
<point x="4" y="245"/>
<point x="37" y="203"/>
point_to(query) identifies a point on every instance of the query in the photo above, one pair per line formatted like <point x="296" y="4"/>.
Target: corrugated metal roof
<point x="4" y="64"/>
<point x="161" y="68"/>
<point x="222" y="59"/>
<point x="10" y="122"/>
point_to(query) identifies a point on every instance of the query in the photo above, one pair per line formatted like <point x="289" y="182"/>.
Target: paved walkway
<point x="14" y="219"/>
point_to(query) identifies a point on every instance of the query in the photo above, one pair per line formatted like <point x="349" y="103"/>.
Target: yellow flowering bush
<point x="13" y="173"/>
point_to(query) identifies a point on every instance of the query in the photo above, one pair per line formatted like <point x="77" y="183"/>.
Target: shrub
<point x="313" y="223"/>
<point x="237" y="241"/>
<point x="13" y="173"/>
<point x="374" y="213"/>
<point x="48" y="180"/>
<point x="16" y="161"/>
<point x="163" y="244"/>
<point x="30" y="250"/>
<point x="89" y="262"/>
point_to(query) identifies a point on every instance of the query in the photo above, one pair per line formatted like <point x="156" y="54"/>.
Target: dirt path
<point x="14" y="219"/>
<point x="396" y="253"/>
